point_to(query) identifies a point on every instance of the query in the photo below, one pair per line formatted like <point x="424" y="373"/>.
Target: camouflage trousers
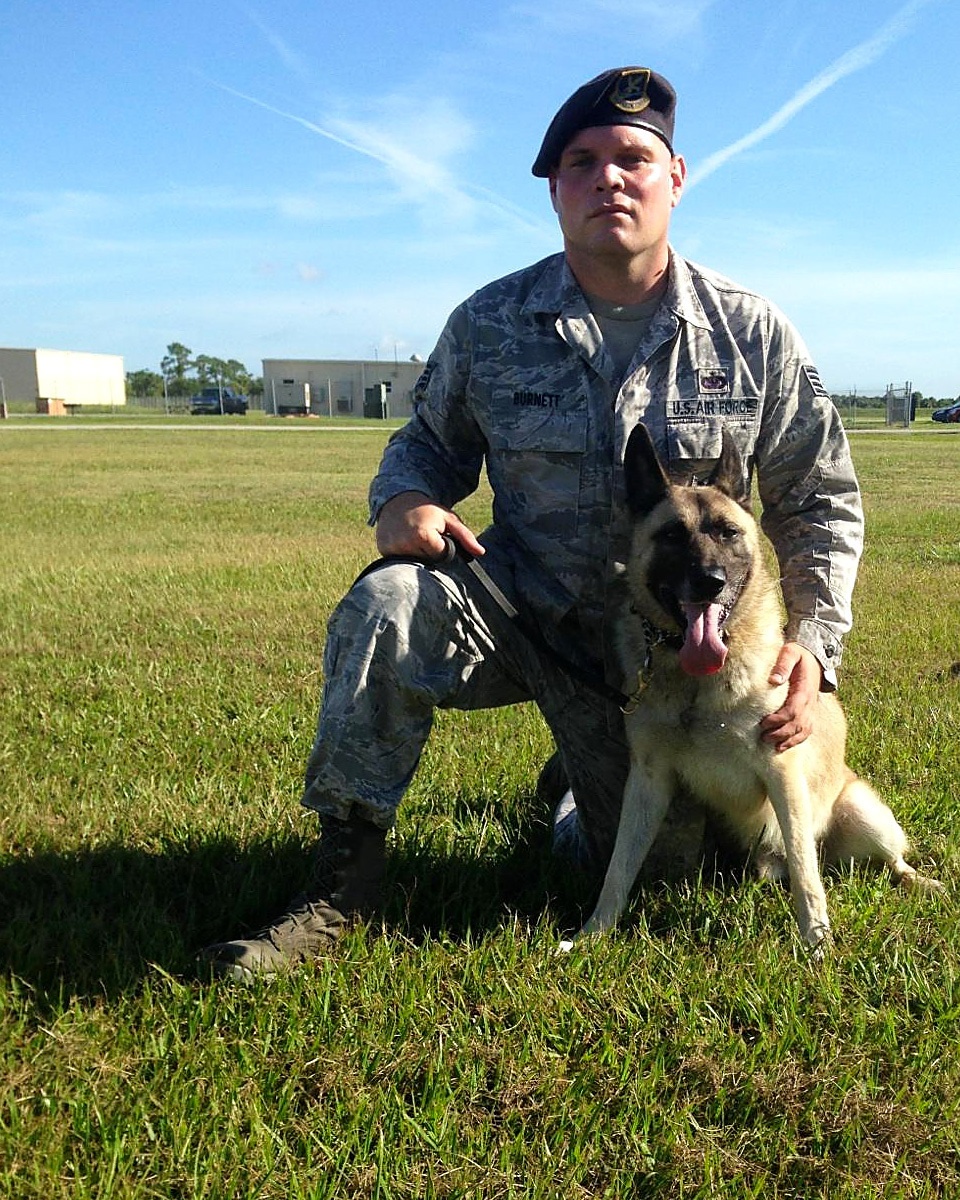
<point x="408" y="639"/>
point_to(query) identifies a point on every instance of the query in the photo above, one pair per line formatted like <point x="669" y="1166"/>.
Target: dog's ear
<point x="646" y="481"/>
<point x="727" y="476"/>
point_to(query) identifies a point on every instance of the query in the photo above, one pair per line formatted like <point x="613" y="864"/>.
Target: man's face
<point x="613" y="192"/>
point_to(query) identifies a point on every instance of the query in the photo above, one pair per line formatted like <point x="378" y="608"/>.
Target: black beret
<point x="624" y="96"/>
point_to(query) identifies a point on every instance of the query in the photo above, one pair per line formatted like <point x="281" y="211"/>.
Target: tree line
<point x="847" y="400"/>
<point x="182" y="373"/>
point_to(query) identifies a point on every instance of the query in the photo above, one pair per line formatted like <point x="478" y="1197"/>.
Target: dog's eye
<point x="726" y="533"/>
<point x="672" y="535"/>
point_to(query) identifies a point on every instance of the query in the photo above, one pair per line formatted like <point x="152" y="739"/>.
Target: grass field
<point x="163" y="593"/>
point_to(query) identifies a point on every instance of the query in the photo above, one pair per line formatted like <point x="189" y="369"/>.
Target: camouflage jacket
<point x="520" y="382"/>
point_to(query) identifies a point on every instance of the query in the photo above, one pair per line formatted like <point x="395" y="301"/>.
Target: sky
<point x="307" y="179"/>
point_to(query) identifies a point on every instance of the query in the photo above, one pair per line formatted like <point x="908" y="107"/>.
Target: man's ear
<point x="552" y="183"/>
<point x="678" y="174"/>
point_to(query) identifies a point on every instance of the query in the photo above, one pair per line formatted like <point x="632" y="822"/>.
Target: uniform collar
<point x="681" y="294"/>
<point x="557" y="292"/>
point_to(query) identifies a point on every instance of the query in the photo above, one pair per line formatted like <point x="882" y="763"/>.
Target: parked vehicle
<point x="216" y="400"/>
<point x="949" y="414"/>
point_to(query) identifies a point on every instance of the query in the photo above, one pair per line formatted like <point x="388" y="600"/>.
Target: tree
<point x="144" y="383"/>
<point x="175" y="365"/>
<point x="229" y="372"/>
<point x="185" y="373"/>
<point x="209" y="370"/>
<point x="239" y="376"/>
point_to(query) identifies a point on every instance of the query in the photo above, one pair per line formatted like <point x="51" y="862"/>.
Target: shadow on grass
<point x="465" y="893"/>
<point x="93" y="922"/>
<point x="90" y="922"/>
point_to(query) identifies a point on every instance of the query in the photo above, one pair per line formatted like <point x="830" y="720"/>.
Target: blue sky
<point x="310" y="179"/>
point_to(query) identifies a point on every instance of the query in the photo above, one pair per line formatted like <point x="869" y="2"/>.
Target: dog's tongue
<point x="703" y="651"/>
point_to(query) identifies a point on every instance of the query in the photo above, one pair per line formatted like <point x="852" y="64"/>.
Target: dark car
<point x="949" y="414"/>
<point x="217" y="400"/>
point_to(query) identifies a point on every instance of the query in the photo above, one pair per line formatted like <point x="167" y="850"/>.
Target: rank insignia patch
<point x="713" y="381"/>
<point x="813" y="378"/>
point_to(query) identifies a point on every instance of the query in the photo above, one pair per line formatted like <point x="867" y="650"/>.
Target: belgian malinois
<point x="698" y="640"/>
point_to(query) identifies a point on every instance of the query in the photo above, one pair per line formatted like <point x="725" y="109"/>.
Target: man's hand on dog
<point x="411" y="523"/>
<point x="792" y="724"/>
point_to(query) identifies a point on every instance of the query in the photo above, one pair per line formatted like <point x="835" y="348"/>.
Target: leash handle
<point x="447" y="555"/>
<point x="449" y="552"/>
<point x="530" y="631"/>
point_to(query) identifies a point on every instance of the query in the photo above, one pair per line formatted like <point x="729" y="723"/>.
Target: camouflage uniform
<point x="520" y="382"/>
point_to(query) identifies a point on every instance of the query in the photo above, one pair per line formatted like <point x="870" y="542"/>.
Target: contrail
<point x="290" y="59"/>
<point x="854" y="60"/>
<point x="423" y="173"/>
<point x="311" y="125"/>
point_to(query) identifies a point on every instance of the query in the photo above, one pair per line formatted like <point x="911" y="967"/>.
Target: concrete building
<point x="339" y="387"/>
<point x="56" y="381"/>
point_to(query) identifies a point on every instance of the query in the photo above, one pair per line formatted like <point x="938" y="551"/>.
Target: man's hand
<point x="411" y="523"/>
<point x="792" y="724"/>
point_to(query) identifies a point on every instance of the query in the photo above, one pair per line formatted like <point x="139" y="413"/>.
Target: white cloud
<point x="395" y="137"/>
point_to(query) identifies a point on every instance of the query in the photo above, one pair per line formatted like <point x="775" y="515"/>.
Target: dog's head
<point x="694" y="548"/>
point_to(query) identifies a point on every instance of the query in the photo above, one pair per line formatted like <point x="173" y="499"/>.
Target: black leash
<point x="590" y="679"/>
<point x="441" y="560"/>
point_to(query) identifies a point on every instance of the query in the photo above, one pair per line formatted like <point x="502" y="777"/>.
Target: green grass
<point x="163" y="594"/>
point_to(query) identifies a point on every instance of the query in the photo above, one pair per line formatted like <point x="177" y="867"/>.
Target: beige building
<point x="56" y="381"/>
<point x="339" y="387"/>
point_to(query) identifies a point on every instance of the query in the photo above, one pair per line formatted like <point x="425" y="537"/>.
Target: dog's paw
<point x="916" y="882"/>
<point x="820" y="942"/>
<point x="565" y="946"/>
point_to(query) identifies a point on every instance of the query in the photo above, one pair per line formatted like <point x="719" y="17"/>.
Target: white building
<point x="55" y="381"/>
<point x="339" y="387"/>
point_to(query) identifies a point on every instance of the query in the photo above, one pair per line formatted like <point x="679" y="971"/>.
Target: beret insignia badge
<point x="629" y="91"/>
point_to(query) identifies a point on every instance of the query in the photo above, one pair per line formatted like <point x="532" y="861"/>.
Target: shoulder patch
<point x="424" y="379"/>
<point x="812" y="376"/>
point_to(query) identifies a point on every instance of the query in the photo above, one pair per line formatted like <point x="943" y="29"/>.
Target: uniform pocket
<point x="535" y="432"/>
<point x="535" y="465"/>
<point x="695" y="437"/>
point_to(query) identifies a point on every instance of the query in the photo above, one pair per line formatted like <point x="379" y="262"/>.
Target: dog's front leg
<point x="646" y="799"/>
<point x="790" y="797"/>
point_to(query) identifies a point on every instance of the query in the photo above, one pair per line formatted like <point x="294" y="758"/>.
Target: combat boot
<point x="347" y="882"/>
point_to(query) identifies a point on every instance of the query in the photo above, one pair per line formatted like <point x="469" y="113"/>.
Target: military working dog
<point x="698" y="640"/>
